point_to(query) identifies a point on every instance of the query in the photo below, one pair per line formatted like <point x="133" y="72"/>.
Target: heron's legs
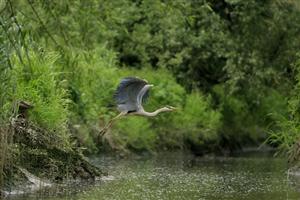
<point x="109" y="124"/>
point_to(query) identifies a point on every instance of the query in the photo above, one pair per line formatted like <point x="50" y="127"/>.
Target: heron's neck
<point x="152" y="114"/>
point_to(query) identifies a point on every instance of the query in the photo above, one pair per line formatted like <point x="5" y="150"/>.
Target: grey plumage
<point x="130" y="94"/>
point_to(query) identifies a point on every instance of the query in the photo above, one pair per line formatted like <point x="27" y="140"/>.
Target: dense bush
<point x="198" y="123"/>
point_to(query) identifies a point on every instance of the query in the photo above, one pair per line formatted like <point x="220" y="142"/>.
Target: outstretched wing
<point x="127" y="92"/>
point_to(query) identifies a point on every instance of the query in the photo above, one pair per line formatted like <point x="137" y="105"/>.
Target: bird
<point x="129" y="96"/>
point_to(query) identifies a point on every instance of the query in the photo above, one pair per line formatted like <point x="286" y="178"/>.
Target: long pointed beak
<point x="151" y="85"/>
<point x="174" y="108"/>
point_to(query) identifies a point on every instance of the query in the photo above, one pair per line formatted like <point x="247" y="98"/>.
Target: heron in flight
<point x="129" y="96"/>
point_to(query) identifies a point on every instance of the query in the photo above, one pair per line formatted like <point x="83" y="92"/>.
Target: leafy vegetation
<point x="37" y="82"/>
<point x="231" y="67"/>
<point x="287" y="135"/>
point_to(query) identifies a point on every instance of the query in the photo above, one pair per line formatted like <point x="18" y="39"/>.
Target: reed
<point x="4" y="121"/>
<point x="8" y="110"/>
<point x="3" y="152"/>
<point x="6" y="135"/>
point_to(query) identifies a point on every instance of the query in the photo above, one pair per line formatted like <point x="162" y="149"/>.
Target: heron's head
<point x="170" y="108"/>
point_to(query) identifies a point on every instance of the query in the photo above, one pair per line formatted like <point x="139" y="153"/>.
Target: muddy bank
<point x="39" y="158"/>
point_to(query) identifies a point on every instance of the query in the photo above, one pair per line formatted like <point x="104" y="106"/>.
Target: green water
<point x="183" y="176"/>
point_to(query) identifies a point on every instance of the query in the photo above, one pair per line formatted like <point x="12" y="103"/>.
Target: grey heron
<point x="129" y="96"/>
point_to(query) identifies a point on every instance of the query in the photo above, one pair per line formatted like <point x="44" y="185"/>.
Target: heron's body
<point x="129" y="96"/>
<point x="130" y="93"/>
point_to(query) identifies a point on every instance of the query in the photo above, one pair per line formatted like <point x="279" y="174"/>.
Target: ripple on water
<point x="181" y="176"/>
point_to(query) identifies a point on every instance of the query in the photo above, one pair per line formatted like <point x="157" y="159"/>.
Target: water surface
<point x="183" y="176"/>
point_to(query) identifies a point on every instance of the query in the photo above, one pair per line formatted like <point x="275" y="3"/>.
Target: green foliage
<point x="7" y="99"/>
<point x="271" y="105"/>
<point x="198" y="122"/>
<point x="37" y="82"/>
<point x="136" y="133"/>
<point x="247" y="119"/>
<point x="91" y="83"/>
<point x="287" y="134"/>
<point x="233" y="60"/>
<point x="236" y="118"/>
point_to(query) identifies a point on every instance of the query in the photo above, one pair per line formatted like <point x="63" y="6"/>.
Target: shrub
<point x="198" y="122"/>
<point x="286" y="136"/>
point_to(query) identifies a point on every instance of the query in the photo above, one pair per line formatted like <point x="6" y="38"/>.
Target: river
<point x="183" y="176"/>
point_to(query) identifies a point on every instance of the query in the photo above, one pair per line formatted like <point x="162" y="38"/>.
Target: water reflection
<point x="183" y="176"/>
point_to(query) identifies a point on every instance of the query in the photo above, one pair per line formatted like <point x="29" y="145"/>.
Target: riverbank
<point x="38" y="160"/>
